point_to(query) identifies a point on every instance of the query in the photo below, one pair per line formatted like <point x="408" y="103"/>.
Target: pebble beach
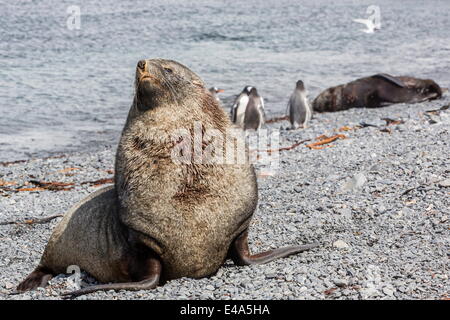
<point x="377" y="200"/>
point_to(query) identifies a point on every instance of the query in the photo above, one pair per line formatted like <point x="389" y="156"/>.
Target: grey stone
<point x="445" y="183"/>
<point x="9" y="285"/>
<point x="355" y="183"/>
<point x="387" y="291"/>
<point x="340" y="244"/>
<point x="390" y="253"/>
<point x="340" y="282"/>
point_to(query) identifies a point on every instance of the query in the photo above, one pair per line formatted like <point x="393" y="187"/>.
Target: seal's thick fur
<point x="186" y="214"/>
<point x="167" y="216"/>
<point x="376" y="91"/>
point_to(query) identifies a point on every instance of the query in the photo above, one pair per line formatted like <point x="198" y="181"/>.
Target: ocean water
<point x="65" y="89"/>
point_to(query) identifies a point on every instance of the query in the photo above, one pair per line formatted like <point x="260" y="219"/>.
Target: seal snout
<point x="141" y="65"/>
<point x="433" y="90"/>
<point x="143" y="73"/>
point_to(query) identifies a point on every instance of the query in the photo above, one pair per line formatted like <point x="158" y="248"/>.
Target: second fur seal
<point x="376" y="91"/>
<point x="163" y="219"/>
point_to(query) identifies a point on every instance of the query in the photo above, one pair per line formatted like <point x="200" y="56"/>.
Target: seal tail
<point x="38" y="278"/>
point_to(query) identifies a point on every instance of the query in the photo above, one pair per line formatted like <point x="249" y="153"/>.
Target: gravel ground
<point x="378" y="203"/>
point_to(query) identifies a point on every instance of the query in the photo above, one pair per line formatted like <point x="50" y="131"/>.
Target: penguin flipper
<point x="233" y="112"/>
<point x="263" y="111"/>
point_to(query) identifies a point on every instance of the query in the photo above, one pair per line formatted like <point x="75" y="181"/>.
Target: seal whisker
<point x="172" y="90"/>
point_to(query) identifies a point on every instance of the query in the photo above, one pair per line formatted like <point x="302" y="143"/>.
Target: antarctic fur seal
<point x="163" y="219"/>
<point x="300" y="111"/>
<point x="376" y="91"/>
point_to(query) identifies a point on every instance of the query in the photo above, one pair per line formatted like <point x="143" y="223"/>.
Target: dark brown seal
<point x="164" y="219"/>
<point x="376" y="91"/>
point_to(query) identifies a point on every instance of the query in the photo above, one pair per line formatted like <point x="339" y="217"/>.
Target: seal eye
<point x="168" y="70"/>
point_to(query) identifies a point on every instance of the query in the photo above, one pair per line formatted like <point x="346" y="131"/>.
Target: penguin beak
<point x="220" y="90"/>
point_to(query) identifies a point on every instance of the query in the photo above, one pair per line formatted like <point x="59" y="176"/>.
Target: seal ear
<point x="390" y="79"/>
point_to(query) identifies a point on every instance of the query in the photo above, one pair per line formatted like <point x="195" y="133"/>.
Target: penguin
<point x="300" y="111"/>
<point x="214" y="92"/>
<point x="239" y="106"/>
<point x="254" y="113"/>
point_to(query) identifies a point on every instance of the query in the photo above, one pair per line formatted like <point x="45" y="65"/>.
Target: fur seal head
<point x="156" y="80"/>
<point x="167" y="91"/>
<point x="426" y="89"/>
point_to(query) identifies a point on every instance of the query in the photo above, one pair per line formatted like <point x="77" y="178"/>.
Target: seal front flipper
<point x="89" y="236"/>
<point x="240" y="253"/>
<point x="38" y="278"/>
<point x="390" y="78"/>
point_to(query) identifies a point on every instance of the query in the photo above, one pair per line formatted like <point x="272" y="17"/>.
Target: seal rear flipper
<point x="149" y="281"/>
<point x="38" y="278"/>
<point x="129" y="286"/>
<point x="390" y="78"/>
<point x="240" y="253"/>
